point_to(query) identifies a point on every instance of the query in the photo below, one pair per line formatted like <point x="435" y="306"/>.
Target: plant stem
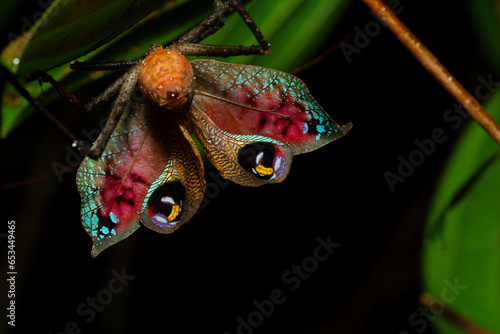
<point x="427" y="300"/>
<point x="35" y="104"/>
<point x="432" y="64"/>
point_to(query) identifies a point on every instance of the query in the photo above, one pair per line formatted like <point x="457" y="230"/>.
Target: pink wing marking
<point x="253" y="100"/>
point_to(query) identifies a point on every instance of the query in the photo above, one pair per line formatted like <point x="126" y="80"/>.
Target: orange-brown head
<point x="167" y="78"/>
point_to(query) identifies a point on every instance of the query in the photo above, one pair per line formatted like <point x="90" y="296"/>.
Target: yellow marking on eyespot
<point x="264" y="170"/>
<point x="174" y="213"/>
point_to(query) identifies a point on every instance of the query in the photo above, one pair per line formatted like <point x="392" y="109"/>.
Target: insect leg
<point x="121" y="102"/>
<point x="208" y="50"/>
<point x="99" y="100"/>
<point x="210" y="25"/>
<point x="66" y="94"/>
<point x="116" y="65"/>
<point x="187" y="44"/>
<point x="77" y="143"/>
<point x="264" y="45"/>
<point x="90" y="106"/>
<point x="120" y="65"/>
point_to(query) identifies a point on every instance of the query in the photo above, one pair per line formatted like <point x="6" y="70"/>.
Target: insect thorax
<point x="167" y="78"/>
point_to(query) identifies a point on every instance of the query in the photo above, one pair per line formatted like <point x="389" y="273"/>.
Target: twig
<point x="432" y="64"/>
<point x="321" y="56"/>
<point x="25" y="182"/>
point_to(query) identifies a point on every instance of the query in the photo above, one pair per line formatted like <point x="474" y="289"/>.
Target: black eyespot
<point x="166" y="204"/>
<point x="260" y="159"/>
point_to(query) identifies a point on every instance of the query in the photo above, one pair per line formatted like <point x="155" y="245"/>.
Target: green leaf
<point x="7" y="9"/>
<point x="486" y="20"/>
<point x="294" y="28"/>
<point x="463" y="227"/>
<point x="69" y="29"/>
<point x="463" y="230"/>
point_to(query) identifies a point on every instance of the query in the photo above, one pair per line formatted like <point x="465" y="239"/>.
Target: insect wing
<point x="114" y="187"/>
<point x="251" y="100"/>
<point x="249" y="160"/>
<point x="176" y="194"/>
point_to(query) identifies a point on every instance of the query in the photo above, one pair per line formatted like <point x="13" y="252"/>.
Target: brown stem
<point x="25" y="182"/>
<point x="432" y="64"/>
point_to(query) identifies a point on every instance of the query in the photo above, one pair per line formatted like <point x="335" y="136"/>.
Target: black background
<point x="236" y="250"/>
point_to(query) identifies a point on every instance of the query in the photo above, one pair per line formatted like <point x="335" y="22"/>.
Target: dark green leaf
<point x="486" y="19"/>
<point x="70" y="29"/>
<point x="463" y="241"/>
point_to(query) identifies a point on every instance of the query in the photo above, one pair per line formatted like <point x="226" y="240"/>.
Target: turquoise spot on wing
<point x="114" y="218"/>
<point x="239" y="80"/>
<point x="305" y="129"/>
<point x="104" y="230"/>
